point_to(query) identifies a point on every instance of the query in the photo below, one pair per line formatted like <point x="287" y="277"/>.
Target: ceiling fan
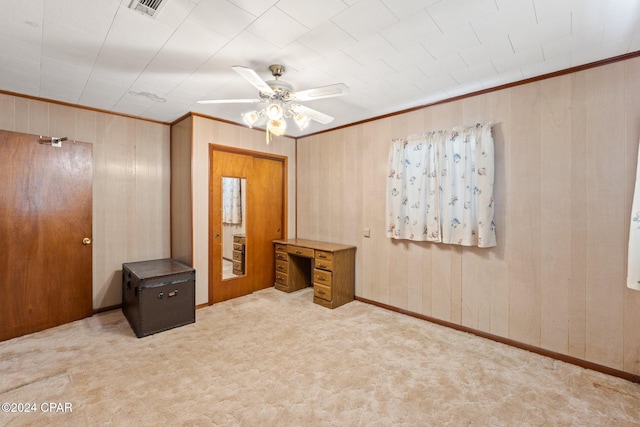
<point x="282" y="101"/>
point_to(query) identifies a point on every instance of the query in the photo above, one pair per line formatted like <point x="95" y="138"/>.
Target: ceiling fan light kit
<point x="301" y="120"/>
<point x="274" y="112"/>
<point x="281" y="96"/>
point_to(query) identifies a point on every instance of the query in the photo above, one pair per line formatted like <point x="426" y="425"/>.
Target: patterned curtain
<point x="440" y="187"/>
<point x="231" y="201"/>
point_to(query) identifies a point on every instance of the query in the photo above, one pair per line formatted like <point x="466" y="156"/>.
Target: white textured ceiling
<point x="393" y="54"/>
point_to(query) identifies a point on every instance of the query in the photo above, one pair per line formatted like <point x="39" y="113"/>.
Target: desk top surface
<point x="315" y="244"/>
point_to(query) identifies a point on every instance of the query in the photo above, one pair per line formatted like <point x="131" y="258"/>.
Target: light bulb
<point x="277" y="127"/>
<point x="250" y="118"/>
<point x="274" y="111"/>
<point x="301" y="120"/>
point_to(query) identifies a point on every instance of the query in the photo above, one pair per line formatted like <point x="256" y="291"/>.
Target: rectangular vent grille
<point x="148" y="7"/>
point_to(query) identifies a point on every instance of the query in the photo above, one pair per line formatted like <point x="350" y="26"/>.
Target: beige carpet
<point x="276" y="359"/>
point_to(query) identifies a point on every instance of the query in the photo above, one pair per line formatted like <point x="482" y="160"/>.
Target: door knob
<point x="86" y="241"/>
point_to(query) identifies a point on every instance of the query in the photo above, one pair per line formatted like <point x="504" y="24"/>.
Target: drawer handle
<point x="321" y="292"/>
<point x="324" y="256"/>
<point x="320" y="278"/>
<point x="280" y="267"/>
<point x="173" y="294"/>
<point x="322" y="265"/>
<point x="298" y="251"/>
<point x="280" y="277"/>
<point x="280" y="257"/>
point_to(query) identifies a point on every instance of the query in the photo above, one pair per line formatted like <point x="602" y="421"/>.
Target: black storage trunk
<point x="158" y="295"/>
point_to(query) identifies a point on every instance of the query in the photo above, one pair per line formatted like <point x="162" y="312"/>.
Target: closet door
<point x="262" y="182"/>
<point x="267" y="225"/>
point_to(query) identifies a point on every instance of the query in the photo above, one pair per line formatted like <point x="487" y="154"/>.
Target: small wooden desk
<point x="328" y="267"/>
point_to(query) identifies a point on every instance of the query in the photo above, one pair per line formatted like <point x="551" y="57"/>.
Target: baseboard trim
<point x="109" y="308"/>
<point x="552" y="354"/>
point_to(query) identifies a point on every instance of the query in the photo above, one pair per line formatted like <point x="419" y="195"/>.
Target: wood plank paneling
<point x="376" y="137"/>
<point x="414" y="278"/>
<point x="181" y="202"/>
<point x="562" y="194"/>
<point x="441" y="264"/>
<point x="427" y="281"/>
<point x="605" y="214"/>
<point x="85" y="125"/>
<point x="373" y="248"/>
<point x="399" y="274"/>
<point x="472" y="294"/>
<point x="499" y="106"/>
<point x="631" y="353"/>
<point x="21" y="115"/>
<point x="152" y="178"/>
<point x="523" y="232"/>
<point x="61" y="121"/>
<point x="309" y="204"/>
<point x="555" y="189"/>
<point x="578" y="261"/>
<point x="455" y="310"/>
<point x="7" y="112"/>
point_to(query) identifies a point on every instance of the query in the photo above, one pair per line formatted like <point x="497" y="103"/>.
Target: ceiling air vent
<point x="147" y="7"/>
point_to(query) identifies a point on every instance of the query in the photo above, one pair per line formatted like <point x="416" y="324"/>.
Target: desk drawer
<point x="238" y="256"/>
<point x="324" y="256"/>
<point x="238" y="247"/>
<point x="322" y="277"/>
<point x="238" y="268"/>
<point x="281" y="278"/>
<point x="322" y="291"/>
<point x="281" y="247"/>
<point x="300" y="251"/>
<point x="281" y="256"/>
<point x="282" y="266"/>
<point x="325" y="265"/>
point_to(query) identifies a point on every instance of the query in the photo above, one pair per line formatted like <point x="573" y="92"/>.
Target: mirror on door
<point x="234" y="244"/>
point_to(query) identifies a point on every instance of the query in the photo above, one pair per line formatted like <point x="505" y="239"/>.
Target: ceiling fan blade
<point x="252" y="77"/>
<point x="313" y="114"/>
<point x="337" y="89"/>
<point x="228" y="101"/>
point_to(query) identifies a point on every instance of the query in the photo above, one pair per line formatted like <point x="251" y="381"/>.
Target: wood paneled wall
<point x="181" y="191"/>
<point x="205" y="131"/>
<point x="130" y="182"/>
<point x="566" y="152"/>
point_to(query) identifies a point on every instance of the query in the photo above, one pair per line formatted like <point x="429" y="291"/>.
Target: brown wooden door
<point x="45" y="213"/>
<point x="266" y="194"/>
<point x="264" y="215"/>
<point x="225" y="164"/>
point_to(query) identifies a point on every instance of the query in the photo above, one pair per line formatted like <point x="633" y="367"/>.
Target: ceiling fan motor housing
<point x="283" y="91"/>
